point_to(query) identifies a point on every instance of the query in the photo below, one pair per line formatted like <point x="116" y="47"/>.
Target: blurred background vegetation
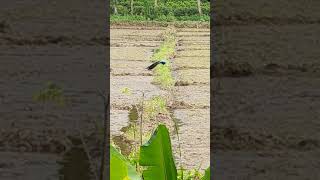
<point x="160" y="10"/>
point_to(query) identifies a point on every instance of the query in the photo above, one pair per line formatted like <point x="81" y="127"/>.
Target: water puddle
<point x="75" y="163"/>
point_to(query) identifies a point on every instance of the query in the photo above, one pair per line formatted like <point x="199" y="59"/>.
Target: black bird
<point x="163" y="62"/>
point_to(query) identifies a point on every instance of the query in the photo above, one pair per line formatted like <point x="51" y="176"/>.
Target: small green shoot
<point x="52" y="93"/>
<point x="154" y="106"/>
<point x="126" y="91"/>
<point x="164" y="76"/>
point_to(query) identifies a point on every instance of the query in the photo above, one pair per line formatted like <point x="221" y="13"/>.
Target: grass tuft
<point x="163" y="73"/>
<point x="154" y="106"/>
<point x="163" y="76"/>
<point x="166" y="49"/>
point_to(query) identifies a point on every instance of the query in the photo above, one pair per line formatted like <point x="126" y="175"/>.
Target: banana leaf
<point x="156" y="156"/>
<point x="206" y="174"/>
<point x="120" y="168"/>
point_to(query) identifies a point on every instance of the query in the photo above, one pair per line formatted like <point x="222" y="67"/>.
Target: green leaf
<point x="126" y="91"/>
<point x="206" y="174"/>
<point x="120" y="168"/>
<point x="156" y="156"/>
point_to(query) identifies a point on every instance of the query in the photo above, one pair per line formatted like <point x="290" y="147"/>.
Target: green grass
<point x="127" y="18"/>
<point x="52" y="93"/>
<point x="126" y="91"/>
<point x="162" y="18"/>
<point x="151" y="160"/>
<point x="168" y="11"/>
<point x="184" y="22"/>
<point x="194" y="18"/>
<point x="163" y="73"/>
<point x="132" y="134"/>
<point x="163" y="76"/>
<point x="154" y="106"/>
<point x="165" y="50"/>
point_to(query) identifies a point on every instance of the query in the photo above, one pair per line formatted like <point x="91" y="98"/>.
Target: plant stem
<point x="131" y="7"/>
<point x="103" y="168"/>
<point x="86" y="150"/>
<point x="134" y="137"/>
<point x="141" y="119"/>
<point x="199" y="7"/>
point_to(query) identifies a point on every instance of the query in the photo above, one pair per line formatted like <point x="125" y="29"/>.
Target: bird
<point x="163" y="62"/>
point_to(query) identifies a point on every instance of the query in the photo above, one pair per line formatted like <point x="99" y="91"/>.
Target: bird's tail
<point x="153" y="65"/>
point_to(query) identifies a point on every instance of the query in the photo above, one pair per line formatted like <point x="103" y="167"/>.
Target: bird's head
<point x="163" y="61"/>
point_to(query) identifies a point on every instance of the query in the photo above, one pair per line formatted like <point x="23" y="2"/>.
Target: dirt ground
<point x="266" y="124"/>
<point x="191" y="106"/>
<point x="193" y="93"/>
<point x="38" y="45"/>
<point x="128" y="66"/>
<point x="131" y="49"/>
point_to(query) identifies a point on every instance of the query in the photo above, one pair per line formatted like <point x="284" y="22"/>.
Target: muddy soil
<point x="233" y="12"/>
<point x="26" y="73"/>
<point x="131" y="50"/>
<point x="137" y="85"/>
<point x="191" y="105"/>
<point x="266" y="124"/>
<point x="128" y="66"/>
<point x="191" y="71"/>
<point x="36" y="50"/>
<point x="22" y="166"/>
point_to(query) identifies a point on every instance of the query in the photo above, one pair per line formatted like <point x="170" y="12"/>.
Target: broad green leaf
<point x="156" y="156"/>
<point x="120" y="168"/>
<point x="206" y="174"/>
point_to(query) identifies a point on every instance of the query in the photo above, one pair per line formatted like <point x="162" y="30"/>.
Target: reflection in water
<point x="75" y="164"/>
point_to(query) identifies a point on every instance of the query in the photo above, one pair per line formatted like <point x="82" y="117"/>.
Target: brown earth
<point x="191" y="101"/>
<point x="192" y="96"/>
<point x="40" y="45"/>
<point x="131" y="50"/>
<point x="266" y="122"/>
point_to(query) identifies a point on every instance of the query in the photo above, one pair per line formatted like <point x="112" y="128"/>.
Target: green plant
<point x="154" y="106"/>
<point x="153" y="161"/>
<point x="169" y="10"/>
<point x="149" y="10"/>
<point x="126" y="91"/>
<point x="156" y="156"/>
<point x="120" y="167"/>
<point x="193" y="174"/>
<point x="163" y="74"/>
<point x="125" y="18"/>
<point x="207" y="174"/>
<point x="171" y="17"/>
<point x="166" y="49"/>
<point x="51" y="94"/>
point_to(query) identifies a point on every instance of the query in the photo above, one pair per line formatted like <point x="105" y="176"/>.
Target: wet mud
<point x="131" y="50"/>
<point x="266" y="117"/>
<point x="190" y="108"/>
<point x="192" y="99"/>
<point x="34" y="51"/>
